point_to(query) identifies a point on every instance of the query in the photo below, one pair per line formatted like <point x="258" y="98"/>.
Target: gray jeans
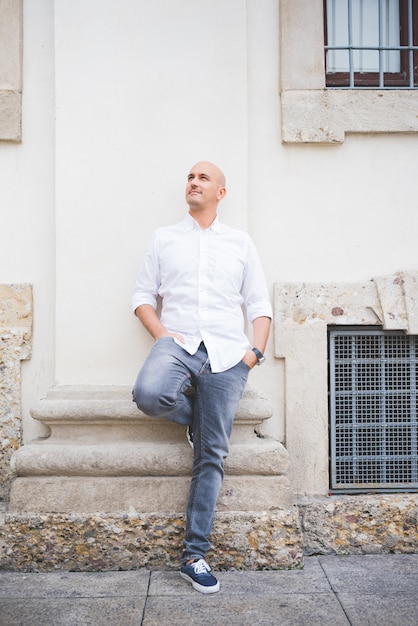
<point x="159" y="391"/>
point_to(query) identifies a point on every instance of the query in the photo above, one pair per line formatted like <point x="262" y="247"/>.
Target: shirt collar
<point x="190" y="224"/>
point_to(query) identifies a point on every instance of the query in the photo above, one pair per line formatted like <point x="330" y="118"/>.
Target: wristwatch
<point x="260" y="356"/>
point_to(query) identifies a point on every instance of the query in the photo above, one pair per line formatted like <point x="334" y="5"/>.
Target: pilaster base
<point x="146" y="494"/>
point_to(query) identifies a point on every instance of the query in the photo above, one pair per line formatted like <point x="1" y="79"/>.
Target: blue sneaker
<point x="198" y="573"/>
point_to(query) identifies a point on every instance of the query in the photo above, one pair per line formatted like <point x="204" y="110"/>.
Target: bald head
<point x="205" y="188"/>
<point x="213" y="170"/>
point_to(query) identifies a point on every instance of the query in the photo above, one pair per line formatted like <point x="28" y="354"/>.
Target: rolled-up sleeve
<point x="148" y="278"/>
<point x="254" y="290"/>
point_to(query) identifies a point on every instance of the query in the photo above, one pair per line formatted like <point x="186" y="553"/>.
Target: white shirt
<point x="204" y="277"/>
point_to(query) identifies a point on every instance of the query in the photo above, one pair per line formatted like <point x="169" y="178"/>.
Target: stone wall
<point x="15" y="345"/>
<point x="273" y="539"/>
<point x="361" y="524"/>
<point x="242" y="540"/>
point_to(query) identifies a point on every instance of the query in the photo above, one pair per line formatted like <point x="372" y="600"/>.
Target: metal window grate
<point x="373" y="410"/>
<point x="372" y="37"/>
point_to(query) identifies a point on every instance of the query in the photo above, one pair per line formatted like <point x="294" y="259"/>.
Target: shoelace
<point x="201" y="567"/>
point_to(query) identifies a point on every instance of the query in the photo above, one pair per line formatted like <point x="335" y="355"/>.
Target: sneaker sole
<point x="198" y="587"/>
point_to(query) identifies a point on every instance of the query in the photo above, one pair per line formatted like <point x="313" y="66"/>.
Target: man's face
<point x="205" y="186"/>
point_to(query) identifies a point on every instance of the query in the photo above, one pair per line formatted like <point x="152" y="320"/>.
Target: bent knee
<point x="145" y="402"/>
<point x="152" y="404"/>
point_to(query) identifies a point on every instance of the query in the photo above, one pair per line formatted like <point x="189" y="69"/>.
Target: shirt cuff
<point x="259" y="309"/>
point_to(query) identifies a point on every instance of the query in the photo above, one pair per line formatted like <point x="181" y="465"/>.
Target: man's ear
<point x="221" y="193"/>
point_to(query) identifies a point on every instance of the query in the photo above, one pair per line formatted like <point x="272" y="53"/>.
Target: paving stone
<point x="375" y="590"/>
<point x="68" y="612"/>
<point x="226" y="610"/>
<point x="310" y="579"/>
<point x="391" y="573"/>
<point x="73" y="584"/>
<point x="398" y="609"/>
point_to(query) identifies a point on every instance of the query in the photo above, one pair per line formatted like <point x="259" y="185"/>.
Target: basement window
<point x="373" y="385"/>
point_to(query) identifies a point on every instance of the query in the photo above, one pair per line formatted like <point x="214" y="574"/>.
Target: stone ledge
<point x="142" y="459"/>
<point x="251" y="540"/>
<point x="106" y="414"/>
<point x="85" y="406"/>
<point x="326" y="115"/>
<point x="147" y="494"/>
<point x="389" y="301"/>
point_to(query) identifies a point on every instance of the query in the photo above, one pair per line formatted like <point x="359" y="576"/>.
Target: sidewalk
<point x="375" y="590"/>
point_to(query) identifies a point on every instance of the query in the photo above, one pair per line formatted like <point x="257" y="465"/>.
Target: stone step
<point x="264" y="457"/>
<point x="80" y="411"/>
<point x="146" y="494"/>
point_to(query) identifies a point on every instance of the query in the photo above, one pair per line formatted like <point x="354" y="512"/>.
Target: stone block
<point x="361" y="524"/>
<point x="15" y="345"/>
<point x="83" y="494"/>
<point x="242" y="540"/>
<point x="11" y="46"/>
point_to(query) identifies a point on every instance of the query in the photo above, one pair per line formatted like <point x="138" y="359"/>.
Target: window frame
<point x="362" y="438"/>
<point x="312" y="113"/>
<point x="372" y="79"/>
<point x="303" y="312"/>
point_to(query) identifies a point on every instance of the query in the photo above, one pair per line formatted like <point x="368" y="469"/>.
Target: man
<point x="198" y="366"/>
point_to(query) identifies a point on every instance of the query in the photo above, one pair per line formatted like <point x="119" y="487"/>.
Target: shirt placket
<point x="203" y="280"/>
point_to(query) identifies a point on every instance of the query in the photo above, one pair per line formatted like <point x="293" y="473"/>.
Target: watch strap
<point x="260" y="356"/>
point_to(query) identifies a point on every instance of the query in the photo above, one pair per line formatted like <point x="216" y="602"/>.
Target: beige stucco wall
<point x="119" y="99"/>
